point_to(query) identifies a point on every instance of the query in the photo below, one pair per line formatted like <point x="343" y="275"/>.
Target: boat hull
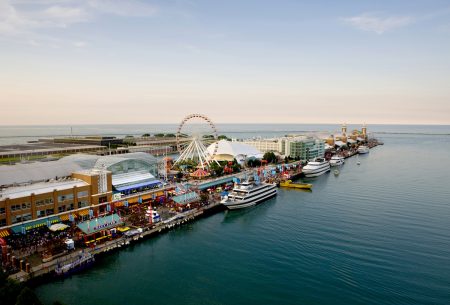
<point x="240" y="204"/>
<point x="304" y="186"/>
<point x="317" y="173"/>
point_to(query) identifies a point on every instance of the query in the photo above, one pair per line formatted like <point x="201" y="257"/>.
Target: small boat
<point x="336" y="172"/>
<point x="83" y="261"/>
<point x="290" y="184"/>
<point x="363" y="149"/>
<point x="337" y="160"/>
<point x="359" y="162"/>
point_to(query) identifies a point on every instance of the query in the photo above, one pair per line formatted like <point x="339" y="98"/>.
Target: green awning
<point x="186" y="198"/>
<point x="209" y="184"/>
<point x="98" y="224"/>
<point x="20" y="228"/>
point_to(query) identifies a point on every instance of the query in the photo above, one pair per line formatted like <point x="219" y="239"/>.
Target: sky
<point x="247" y="61"/>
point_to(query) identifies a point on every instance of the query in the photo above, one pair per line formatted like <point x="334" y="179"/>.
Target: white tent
<point x="227" y="151"/>
<point x="58" y="227"/>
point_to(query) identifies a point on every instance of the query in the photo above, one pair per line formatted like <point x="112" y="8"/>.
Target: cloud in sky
<point x="27" y="17"/>
<point x="377" y="24"/>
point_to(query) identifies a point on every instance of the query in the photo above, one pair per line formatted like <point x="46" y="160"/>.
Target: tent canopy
<point x="96" y="225"/>
<point x="200" y="173"/>
<point x="58" y="227"/>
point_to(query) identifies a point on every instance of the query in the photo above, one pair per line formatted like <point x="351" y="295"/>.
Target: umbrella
<point x="58" y="227"/>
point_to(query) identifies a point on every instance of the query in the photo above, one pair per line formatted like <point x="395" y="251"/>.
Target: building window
<point x="26" y="217"/>
<point x="70" y="207"/>
<point x="61" y="209"/>
<point x="2" y="222"/>
<point x="102" y="199"/>
<point x="26" y="205"/>
<point x="49" y="212"/>
<point x="16" y="219"/>
<point x="82" y="194"/>
<point x="40" y="213"/>
<point x="82" y="204"/>
<point x="39" y="202"/>
<point x="62" y="198"/>
<point x="2" y="211"/>
<point x="15" y="207"/>
<point x="48" y="200"/>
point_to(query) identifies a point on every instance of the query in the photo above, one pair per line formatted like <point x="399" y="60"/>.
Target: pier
<point x="47" y="268"/>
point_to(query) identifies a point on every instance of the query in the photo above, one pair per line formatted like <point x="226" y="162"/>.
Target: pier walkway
<point x="50" y="266"/>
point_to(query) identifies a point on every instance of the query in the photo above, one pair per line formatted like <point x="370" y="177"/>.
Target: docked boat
<point x="295" y="185"/>
<point x="249" y="193"/>
<point x="83" y="261"/>
<point x="363" y="149"/>
<point x="316" y="168"/>
<point x="337" y="160"/>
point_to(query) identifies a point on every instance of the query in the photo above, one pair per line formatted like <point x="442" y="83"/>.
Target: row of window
<point x="42" y="213"/>
<point x="44" y="201"/>
<point x="17" y="207"/>
<point x="20" y="218"/>
<point x="67" y="197"/>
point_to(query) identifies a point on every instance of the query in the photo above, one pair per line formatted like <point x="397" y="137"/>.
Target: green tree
<point x="270" y="157"/>
<point x="159" y="135"/>
<point x="223" y="137"/>
<point x="169" y="135"/>
<point x="146" y="135"/>
<point x="27" y="297"/>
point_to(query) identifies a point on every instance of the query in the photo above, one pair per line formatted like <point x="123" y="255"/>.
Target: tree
<point x="146" y="135"/>
<point x="27" y="297"/>
<point x="223" y="137"/>
<point x="169" y="135"/>
<point x="270" y="157"/>
<point x="159" y="135"/>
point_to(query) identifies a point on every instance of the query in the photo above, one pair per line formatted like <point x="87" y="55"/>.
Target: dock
<point x="48" y="268"/>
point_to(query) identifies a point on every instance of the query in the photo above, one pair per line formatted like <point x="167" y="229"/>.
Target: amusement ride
<point x="195" y="133"/>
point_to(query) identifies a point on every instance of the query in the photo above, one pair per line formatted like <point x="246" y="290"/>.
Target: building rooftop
<point x="39" y="188"/>
<point x="41" y="171"/>
<point x="43" y="147"/>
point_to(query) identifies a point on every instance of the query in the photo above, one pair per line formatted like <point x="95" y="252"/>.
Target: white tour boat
<point x="316" y="168"/>
<point x="363" y="149"/>
<point x="249" y="193"/>
<point x="337" y="160"/>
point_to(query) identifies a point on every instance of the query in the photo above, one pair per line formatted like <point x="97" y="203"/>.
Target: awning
<point x="4" y="233"/>
<point x="65" y="217"/>
<point x="83" y="212"/>
<point x="129" y="178"/>
<point x="351" y="141"/>
<point x="35" y="224"/>
<point x="186" y="198"/>
<point x="137" y="185"/>
<point x="98" y="224"/>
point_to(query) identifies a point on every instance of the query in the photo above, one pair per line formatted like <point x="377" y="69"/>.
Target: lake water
<point x="379" y="233"/>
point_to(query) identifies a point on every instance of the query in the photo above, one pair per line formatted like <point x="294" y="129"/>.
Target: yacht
<point x="249" y="193"/>
<point x="316" y="168"/>
<point x="337" y="160"/>
<point x="363" y="149"/>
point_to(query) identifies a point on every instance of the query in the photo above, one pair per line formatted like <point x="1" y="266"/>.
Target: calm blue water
<point x="379" y="233"/>
<point x="22" y="134"/>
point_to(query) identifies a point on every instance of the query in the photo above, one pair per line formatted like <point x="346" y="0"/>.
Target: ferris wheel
<point x="197" y="140"/>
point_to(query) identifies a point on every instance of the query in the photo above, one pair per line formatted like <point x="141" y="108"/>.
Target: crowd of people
<point x="37" y="240"/>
